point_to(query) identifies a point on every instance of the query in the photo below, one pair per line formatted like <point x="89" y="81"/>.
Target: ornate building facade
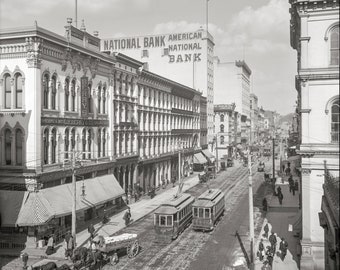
<point x="315" y="36"/>
<point x="67" y="107"/>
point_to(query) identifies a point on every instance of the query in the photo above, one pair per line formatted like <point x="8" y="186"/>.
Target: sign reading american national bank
<point x="183" y="47"/>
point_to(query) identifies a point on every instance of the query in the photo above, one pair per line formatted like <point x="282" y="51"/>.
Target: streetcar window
<point x="200" y="212"/>
<point x="162" y="221"/>
<point x="169" y="220"/>
<point x="195" y="212"/>
<point x="206" y="212"/>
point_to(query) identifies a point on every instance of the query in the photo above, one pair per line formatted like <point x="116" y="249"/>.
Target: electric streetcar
<point x="207" y="209"/>
<point x="172" y="217"/>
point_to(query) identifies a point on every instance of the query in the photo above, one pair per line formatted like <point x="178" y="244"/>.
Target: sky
<point x="256" y="31"/>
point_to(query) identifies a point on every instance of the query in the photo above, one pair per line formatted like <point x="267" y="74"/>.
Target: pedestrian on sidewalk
<point x="50" y="245"/>
<point x="264" y="205"/>
<point x="291" y="184"/>
<point x="127" y="217"/>
<point x="283" y="248"/>
<point x="266" y="230"/>
<point x="69" y="246"/>
<point x="266" y="266"/>
<point x="273" y="241"/>
<point x="279" y="191"/>
<point x="296" y="185"/>
<point x="261" y="250"/>
<point x="91" y="230"/>
<point x="280" y="196"/>
<point x="270" y="255"/>
<point x="287" y="171"/>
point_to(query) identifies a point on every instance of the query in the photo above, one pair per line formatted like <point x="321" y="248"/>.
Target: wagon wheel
<point x="133" y="249"/>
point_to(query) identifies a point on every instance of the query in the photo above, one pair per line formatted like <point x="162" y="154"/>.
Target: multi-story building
<point x="68" y="109"/>
<point x="314" y="34"/>
<point x="254" y="117"/>
<point x="232" y="85"/>
<point x="225" y="129"/>
<point x="174" y="56"/>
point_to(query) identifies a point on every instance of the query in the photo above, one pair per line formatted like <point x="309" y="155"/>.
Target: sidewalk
<point x="138" y="209"/>
<point x="281" y="219"/>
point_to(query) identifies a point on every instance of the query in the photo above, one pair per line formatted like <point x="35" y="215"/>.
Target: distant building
<point x="232" y="85"/>
<point x="254" y="117"/>
<point x="225" y="129"/>
<point x="314" y="34"/>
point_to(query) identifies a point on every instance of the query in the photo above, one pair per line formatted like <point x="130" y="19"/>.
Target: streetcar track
<point x="159" y="254"/>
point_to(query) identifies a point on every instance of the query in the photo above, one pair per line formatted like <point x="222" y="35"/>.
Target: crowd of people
<point x="267" y="254"/>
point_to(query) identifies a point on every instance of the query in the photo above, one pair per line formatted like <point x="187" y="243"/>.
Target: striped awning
<point x="49" y="203"/>
<point x="208" y="155"/>
<point x="199" y="159"/>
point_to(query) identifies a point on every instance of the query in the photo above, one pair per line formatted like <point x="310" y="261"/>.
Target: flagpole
<point x="207" y="13"/>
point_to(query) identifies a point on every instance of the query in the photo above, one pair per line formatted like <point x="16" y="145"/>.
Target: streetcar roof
<point x="206" y="202"/>
<point x="175" y="204"/>
<point x="210" y="194"/>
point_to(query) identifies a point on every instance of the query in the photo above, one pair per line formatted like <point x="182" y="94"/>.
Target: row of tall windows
<point x="14" y="92"/>
<point x="50" y="150"/>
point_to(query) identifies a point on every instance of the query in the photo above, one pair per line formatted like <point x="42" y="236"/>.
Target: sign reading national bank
<point x="183" y="47"/>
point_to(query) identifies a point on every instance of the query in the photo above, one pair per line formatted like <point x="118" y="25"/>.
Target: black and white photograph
<point x="169" y="135"/>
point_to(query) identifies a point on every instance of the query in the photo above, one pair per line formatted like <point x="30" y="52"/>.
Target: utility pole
<point x="76" y="15"/>
<point x="216" y="153"/>
<point x="74" y="187"/>
<point x="251" y="212"/>
<point x="273" y="158"/>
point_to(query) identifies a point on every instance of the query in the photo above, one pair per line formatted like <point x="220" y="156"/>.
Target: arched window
<point x="222" y="118"/>
<point x="45" y="138"/>
<point x="89" y="143"/>
<point x="99" y="98"/>
<point x="67" y="94"/>
<point x="18" y="146"/>
<point x="104" y="99"/>
<point x="67" y="142"/>
<point x="54" y="92"/>
<point x="18" y="91"/>
<point x="221" y="128"/>
<point x="89" y="100"/>
<point x="334" y="46"/>
<point x="73" y="138"/>
<point x="73" y="96"/>
<point x="222" y="139"/>
<point x="335" y="122"/>
<point x="99" y="142"/>
<point x="8" y="92"/>
<point x="8" y="147"/>
<point x="45" y="89"/>
<point x="54" y="146"/>
<point x="104" y="141"/>
<point x="84" y="143"/>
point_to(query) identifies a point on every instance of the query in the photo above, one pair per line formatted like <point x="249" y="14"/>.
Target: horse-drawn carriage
<point x="105" y="251"/>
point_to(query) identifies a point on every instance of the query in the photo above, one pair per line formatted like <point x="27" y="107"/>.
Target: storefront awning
<point x="199" y="159"/>
<point x="57" y="201"/>
<point x="10" y="205"/>
<point x="208" y="155"/>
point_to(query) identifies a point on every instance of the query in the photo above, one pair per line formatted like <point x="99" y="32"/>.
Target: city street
<point x="195" y="249"/>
